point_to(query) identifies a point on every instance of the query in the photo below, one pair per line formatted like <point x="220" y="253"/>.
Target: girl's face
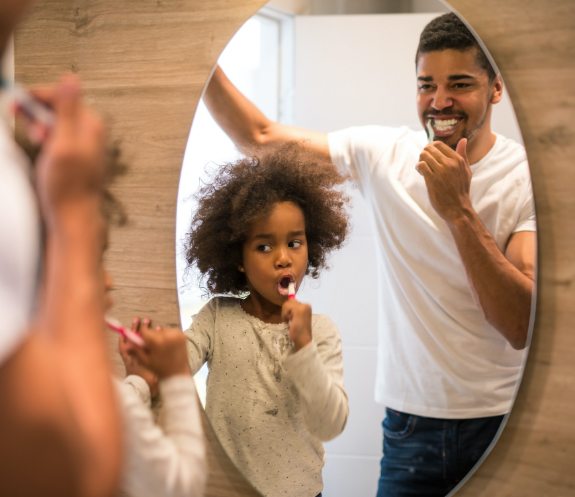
<point x="275" y="252"/>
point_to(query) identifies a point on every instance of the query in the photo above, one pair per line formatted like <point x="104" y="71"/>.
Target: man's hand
<point x="447" y="176"/>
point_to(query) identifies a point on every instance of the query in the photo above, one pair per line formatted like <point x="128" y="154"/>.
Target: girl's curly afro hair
<point x="246" y="190"/>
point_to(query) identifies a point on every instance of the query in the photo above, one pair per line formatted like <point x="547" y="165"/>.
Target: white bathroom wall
<point x="353" y="70"/>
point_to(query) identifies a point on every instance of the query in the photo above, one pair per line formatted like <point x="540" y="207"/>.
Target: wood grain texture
<point x="144" y="64"/>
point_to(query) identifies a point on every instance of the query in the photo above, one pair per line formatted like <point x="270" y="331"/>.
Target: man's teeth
<point x="443" y="124"/>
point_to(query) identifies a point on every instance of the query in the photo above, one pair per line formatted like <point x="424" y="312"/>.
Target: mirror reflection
<point x="432" y="292"/>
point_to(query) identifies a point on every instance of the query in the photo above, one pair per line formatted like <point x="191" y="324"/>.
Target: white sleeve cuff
<point x="140" y="387"/>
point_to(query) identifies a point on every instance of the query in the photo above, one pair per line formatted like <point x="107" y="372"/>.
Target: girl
<point x="275" y="383"/>
<point x="166" y="459"/>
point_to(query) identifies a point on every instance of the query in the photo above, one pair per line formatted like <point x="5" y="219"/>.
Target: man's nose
<point x="441" y="99"/>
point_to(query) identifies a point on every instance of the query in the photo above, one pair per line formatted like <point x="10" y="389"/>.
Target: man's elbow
<point x="517" y="336"/>
<point x="519" y="343"/>
<point x="256" y="141"/>
<point x="515" y="329"/>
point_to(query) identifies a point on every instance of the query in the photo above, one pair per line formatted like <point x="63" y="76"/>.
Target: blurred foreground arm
<point x="59" y="422"/>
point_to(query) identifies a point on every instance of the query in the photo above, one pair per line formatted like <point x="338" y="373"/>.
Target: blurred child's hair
<point x="113" y="210"/>
<point x="244" y="191"/>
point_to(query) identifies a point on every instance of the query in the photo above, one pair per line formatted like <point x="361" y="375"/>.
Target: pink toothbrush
<point x="130" y="335"/>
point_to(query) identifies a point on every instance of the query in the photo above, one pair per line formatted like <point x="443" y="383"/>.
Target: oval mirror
<point x="306" y="64"/>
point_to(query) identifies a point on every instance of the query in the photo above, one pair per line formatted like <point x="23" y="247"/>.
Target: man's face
<point x="454" y="95"/>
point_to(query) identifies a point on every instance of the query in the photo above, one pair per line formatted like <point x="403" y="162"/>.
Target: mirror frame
<point x="129" y="63"/>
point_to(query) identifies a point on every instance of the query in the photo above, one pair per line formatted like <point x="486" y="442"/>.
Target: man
<point x="456" y="226"/>
<point x="59" y="423"/>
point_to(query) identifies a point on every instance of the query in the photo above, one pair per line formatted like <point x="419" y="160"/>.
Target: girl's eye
<point x="295" y="243"/>
<point x="424" y="87"/>
<point x="263" y="248"/>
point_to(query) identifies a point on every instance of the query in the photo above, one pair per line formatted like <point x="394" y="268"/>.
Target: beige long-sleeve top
<point x="166" y="460"/>
<point x="270" y="407"/>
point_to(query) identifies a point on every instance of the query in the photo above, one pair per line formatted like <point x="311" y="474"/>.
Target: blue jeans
<point x="428" y="457"/>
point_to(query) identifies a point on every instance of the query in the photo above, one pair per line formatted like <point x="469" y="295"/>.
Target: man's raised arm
<point x="247" y="126"/>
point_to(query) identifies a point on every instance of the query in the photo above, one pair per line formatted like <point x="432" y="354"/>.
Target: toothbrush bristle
<point x="430" y="135"/>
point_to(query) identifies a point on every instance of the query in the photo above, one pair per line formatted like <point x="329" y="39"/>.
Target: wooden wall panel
<point x="144" y="64"/>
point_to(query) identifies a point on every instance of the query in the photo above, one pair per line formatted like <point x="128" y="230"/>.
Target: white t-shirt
<point x="19" y="244"/>
<point x="437" y="354"/>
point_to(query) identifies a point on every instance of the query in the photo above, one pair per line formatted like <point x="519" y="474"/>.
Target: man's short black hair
<point x="449" y="32"/>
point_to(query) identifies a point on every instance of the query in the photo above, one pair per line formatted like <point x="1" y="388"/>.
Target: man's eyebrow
<point x="456" y="77"/>
<point x="452" y="77"/>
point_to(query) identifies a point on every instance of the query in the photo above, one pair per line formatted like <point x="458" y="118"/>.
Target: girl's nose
<point x="283" y="259"/>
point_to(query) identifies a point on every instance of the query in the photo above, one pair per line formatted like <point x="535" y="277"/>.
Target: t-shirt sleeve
<point x="526" y="219"/>
<point x="19" y="248"/>
<point x="357" y="150"/>
<point x="316" y="370"/>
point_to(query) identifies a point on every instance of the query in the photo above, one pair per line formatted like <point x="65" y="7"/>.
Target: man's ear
<point x="496" y="90"/>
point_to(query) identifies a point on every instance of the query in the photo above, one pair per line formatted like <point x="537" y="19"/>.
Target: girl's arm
<point x="169" y="462"/>
<point x="317" y="372"/>
<point x="199" y="337"/>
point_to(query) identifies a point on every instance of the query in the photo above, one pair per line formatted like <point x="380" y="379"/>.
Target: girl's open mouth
<point x="283" y="285"/>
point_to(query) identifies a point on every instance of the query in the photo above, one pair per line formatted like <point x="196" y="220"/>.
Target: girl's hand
<point x="133" y="366"/>
<point x="165" y="351"/>
<point x="298" y="317"/>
